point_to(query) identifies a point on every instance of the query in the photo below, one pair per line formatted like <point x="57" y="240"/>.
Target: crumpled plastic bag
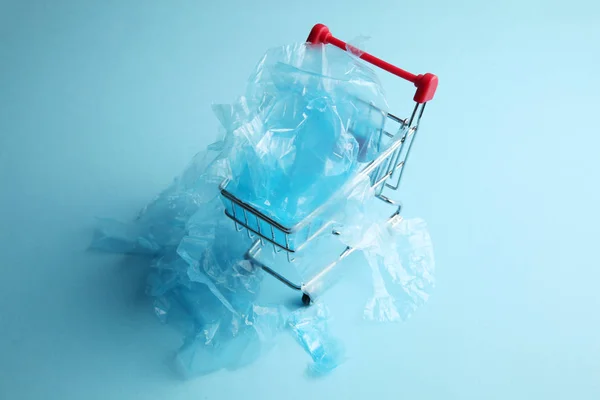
<point x="310" y="328"/>
<point x="399" y="252"/>
<point x="305" y="126"/>
<point x="198" y="276"/>
<point x="203" y="286"/>
<point x="311" y="117"/>
<point x="164" y="221"/>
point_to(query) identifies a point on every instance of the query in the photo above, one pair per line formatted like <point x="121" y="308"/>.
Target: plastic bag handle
<point x="426" y="83"/>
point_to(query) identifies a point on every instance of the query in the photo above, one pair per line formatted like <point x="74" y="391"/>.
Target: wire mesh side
<point x="256" y="225"/>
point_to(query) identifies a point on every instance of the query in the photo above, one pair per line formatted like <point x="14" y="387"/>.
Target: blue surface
<point x="101" y="105"/>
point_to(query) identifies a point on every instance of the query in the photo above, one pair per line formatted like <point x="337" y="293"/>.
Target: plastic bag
<point x="310" y="328"/>
<point x="399" y="253"/>
<point x="311" y="117"/>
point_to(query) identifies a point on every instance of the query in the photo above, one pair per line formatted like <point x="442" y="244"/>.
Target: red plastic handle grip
<point x="426" y="83"/>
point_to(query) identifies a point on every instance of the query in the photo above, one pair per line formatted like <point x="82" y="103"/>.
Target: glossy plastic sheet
<point x="198" y="276"/>
<point x="310" y="328"/>
<point x="399" y="252"/>
<point x="311" y="117"/>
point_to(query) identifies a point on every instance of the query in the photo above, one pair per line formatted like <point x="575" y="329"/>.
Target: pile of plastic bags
<point x="312" y="116"/>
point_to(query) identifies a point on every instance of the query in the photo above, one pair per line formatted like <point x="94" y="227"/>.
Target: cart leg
<point x="281" y="278"/>
<point x="306" y="300"/>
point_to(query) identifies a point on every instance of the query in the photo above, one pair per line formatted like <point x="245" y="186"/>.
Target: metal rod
<point x="234" y="218"/>
<point x="253" y="250"/>
<point x="385" y="175"/>
<point x="275" y="248"/>
<point x="403" y="139"/>
<point x="386" y="199"/>
<point x="412" y="135"/>
<point x="264" y="237"/>
<point x="246" y="219"/>
<point x="382" y="179"/>
<point x="253" y="210"/>
<point x="251" y="255"/>
<point x="412" y="117"/>
<point x="289" y="252"/>
<point x="290" y="258"/>
<point x="260" y="235"/>
<point x="281" y="278"/>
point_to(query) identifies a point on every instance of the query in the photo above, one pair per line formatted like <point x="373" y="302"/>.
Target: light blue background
<point x="102" y="103"/>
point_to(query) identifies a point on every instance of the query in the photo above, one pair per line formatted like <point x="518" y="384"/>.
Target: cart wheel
<point x="305" y="299"/>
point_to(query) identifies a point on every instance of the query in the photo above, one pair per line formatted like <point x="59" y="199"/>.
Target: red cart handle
<point x="426" y="84"/>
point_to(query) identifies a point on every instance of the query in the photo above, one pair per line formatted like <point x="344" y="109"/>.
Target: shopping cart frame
<point x="385" y="172"/>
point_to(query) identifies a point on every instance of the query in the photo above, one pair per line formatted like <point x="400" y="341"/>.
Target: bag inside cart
<point x="311" y="117"/>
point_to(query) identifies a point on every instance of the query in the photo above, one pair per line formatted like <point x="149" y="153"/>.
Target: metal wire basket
<point x="384" y="173"/>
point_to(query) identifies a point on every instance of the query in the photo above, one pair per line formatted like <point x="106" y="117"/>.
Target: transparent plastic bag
<point x="312" y="117"/>
<point x="399" y="253"/>
<point x="310" y="328"/>
<point x="198" y="276"/>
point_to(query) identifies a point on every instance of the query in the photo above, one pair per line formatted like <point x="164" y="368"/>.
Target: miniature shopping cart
<point x="384" y="173"/>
